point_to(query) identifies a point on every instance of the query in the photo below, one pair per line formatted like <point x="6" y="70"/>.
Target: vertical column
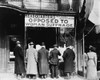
<point x="3" y="50"/>
<point x="79" y="54"/>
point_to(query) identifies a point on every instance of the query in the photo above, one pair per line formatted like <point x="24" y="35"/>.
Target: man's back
<point x="54" y="56"/>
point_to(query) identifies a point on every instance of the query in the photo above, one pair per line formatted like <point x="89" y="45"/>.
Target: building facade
<point x="55" y="20"/>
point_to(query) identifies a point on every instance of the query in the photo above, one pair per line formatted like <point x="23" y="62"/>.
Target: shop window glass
<point x="68" y="5"/>
<point x="63" y="5"/>
<point x="41" y="4"/>
<point x="64" y="2"/>
<point x="34" y="4"/>
<point x="49" y="5"/>
<point x="66" y="36"/>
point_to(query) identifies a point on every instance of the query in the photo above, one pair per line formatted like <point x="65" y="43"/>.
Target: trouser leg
<point x="56" y="71"/>
<point x="52" y="71"/>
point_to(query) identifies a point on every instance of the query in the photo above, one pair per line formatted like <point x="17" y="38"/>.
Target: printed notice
<point x="49" y="21"/>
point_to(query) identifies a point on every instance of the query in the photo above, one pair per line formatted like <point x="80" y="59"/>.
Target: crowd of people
<point x="44" y="63"/>
<point x="53" y="63"/>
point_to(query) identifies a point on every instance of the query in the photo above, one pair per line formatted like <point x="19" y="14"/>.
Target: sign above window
<point x="49" y="21"/>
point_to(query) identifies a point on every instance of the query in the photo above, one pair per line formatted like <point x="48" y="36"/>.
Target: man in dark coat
<point x="68" y="57"/>
<point x="43" y="61"/>
<point x="54" y="61"/>
<point x="19" y="60"/>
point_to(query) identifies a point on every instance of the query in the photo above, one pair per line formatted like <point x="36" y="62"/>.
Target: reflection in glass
<point x="66" y="36"/>
<point x="70" y="3"/>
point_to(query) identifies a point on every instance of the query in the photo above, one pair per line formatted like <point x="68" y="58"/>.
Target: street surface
<point x="11" y="76"/>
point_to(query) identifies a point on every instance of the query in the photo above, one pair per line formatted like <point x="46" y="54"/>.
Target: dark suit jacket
<point x="54" y="56"/>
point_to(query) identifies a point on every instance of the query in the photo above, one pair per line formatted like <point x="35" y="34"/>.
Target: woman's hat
<point x="92" y="48"/>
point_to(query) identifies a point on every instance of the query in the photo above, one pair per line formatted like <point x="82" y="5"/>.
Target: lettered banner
<point x="49" y="21"/>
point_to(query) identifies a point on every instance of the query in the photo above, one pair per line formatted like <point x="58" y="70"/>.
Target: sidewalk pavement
<point x="98" y="74"/>
<point x="11" y="76"/>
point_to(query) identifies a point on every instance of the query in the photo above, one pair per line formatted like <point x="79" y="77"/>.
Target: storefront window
<point x="54" y="29"/>
<point x="62" y="5"/>
<point x="69" y="5"/>
<point x="66" y="36"/>
<point x="41" y="4"/>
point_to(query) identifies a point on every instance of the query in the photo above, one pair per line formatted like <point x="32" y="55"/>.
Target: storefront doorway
<point x="42" y="34"/>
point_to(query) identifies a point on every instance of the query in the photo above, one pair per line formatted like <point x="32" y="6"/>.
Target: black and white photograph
<point x="49" y="39"/>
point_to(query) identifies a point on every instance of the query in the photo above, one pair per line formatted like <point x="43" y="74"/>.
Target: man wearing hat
<point x="31" y="56"/>
<point x="69" y="57"/>
<point x="43" y="61"/>
<point x="19" y="60"/>
<point x="54" y="61"/>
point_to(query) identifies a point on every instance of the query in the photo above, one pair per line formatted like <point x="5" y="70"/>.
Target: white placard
<point x="49" y="21"/>
<point x="50" y="1"/>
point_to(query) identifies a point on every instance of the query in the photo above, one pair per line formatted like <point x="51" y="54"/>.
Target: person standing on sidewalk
<point x="43" y="55"/>
<point x="31" y="56"/>
<point x="54" y="61"/>
<point x="92" y="64"/>
<point x="68" y="57"/>
<point x="19" y="60"/>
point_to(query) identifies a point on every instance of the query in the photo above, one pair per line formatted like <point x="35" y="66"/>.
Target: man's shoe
<point x="34" y="77"/>
<point x="66" y="77"/>
<point x="41" y="77"/>
<point x="23" y="76"/>
<point x="52" y="77"/>
<point x="57" y="77"/>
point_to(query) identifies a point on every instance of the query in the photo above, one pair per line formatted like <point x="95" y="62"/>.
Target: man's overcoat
<point x="31" y="55"/>
<point x="43" y="61"/>
<point x="19" y="60"/>
<point x="68" y="57"/>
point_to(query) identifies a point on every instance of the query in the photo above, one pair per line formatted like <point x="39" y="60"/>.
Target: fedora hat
<point x="18" y="42"/>
<point x="43" y="44"/>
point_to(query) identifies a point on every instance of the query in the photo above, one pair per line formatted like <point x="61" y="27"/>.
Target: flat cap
<point x="55" y="45"/>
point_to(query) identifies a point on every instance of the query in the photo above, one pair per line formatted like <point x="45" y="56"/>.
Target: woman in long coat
<point x="68" y="57"/>
<point x="19" y="60"/>
<point x="43" y="62"/>
<point x="31" y="56"/>
<point x="92" y="64"/>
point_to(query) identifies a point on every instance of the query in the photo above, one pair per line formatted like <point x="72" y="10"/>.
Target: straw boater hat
<point x="31" y="43"/>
